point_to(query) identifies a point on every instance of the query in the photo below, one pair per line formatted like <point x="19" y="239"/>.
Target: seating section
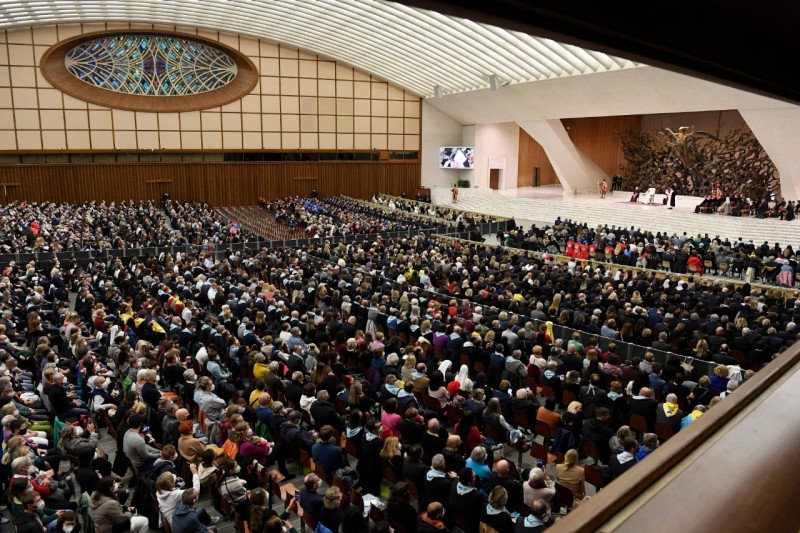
<point x="358" y="377"/>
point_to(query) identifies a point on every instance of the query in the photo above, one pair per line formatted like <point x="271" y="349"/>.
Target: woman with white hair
<point x="538" y="487"/>
<point x="463" y="379"/>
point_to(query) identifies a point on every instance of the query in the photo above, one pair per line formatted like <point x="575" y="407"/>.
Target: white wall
<point x="496" y="146"/>
<point x="778" y="131"/>
<point x="438" y="130"/>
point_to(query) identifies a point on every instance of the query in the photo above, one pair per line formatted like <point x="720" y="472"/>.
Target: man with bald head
<point x="513" y="487"/>
<point x="434" y="439"/>
<point x="431" y="520"/>
<point x="645" y="405"/>
<point x="538" y="520"/>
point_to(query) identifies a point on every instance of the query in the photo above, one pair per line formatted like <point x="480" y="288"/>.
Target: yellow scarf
<point x="670" y="409"/>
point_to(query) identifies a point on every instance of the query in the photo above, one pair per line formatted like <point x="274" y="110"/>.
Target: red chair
<point x="564" y="497"/>
<point x="594" y="476"/>
<point x="591" y="449"/>
<point x="638" y="423"/>
<point x="664" y="432"/>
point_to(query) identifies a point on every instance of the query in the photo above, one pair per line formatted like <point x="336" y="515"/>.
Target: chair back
<point x="564" y="497"/>
<point x="638" y="423"/>
<point x="594" y="476"/>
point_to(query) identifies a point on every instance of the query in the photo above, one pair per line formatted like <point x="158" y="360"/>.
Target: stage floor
<point x="545" y="204"/>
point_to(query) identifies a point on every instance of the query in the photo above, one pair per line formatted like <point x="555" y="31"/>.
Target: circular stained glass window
<point x="126" y="70"/>
<point x="150" y="65"/>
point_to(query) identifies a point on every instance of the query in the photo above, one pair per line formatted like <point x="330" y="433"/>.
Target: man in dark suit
<point x="310" y="501"/>
<point x="415" y="470"/>
<point x="438" y="483"/>
<point x="599" y="431"/>
<point x="513" y="487"/>
<point x="324" y="413"/>
<point x="434" y="440"/>
<point x="294" y="389"/>
<point x="645" y="405"/>
<point x="466" y="500"/>
<point x="294" y="435"/>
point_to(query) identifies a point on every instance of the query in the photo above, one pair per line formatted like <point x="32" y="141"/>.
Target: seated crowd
<point x="676" y="253"/>
<point x="336" y="216"/>
<point x="457" y="216"/>
<point x="423" y="357"/>
<point x="199" y="223"/>
<point x="62" y="227"/>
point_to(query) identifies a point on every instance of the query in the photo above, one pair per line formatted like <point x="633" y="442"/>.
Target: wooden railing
<point x="734" y="469"/>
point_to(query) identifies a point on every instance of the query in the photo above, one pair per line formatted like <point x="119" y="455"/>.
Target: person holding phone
<point x="105" y="509"/>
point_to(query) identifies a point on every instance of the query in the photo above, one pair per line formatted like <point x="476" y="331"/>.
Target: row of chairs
<point x="261" y="222"/>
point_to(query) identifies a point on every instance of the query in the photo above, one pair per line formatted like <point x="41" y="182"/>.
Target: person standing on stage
<point x="603" y="188"/>
<point x="670" y="192"/>
<point x="455" y="193"/>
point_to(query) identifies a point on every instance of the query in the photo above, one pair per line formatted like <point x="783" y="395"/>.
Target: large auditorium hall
<point x="366" y="266"/>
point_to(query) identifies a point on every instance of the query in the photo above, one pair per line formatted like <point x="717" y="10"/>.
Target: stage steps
<point x="616" y="210"/>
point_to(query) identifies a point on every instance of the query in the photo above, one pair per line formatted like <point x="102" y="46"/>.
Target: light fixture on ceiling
<point x="437" y="91"/>
<point x="496" y="83"/>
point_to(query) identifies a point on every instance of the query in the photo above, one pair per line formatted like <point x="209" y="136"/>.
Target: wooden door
<point x="494" y="178"/>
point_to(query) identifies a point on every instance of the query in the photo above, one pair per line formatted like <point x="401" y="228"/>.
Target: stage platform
<point x="545" y="204"/>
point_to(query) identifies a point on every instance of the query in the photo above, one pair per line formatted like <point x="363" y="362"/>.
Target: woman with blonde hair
<point x="454" y="460"/>
<point x="392" y="456"/>
<point x="701" y="349"/>
<point x="615" y="442"/>
<point x="719" y="381"/>
<point x="496" y="516"/>
<point x="571" y="475"/>
<point x="409" y="367"/>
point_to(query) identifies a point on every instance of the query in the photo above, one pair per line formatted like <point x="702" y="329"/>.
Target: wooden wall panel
<point x="718" y="123"/>
<point x="219" y="184"/>
<point x="532" y="155"/>
<point x="597" y="138"/>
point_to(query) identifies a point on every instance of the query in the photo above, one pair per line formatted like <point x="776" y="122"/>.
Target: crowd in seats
<point x="336" y="216"/>
<point x="419" y="207"/>
<point x="200" y="224"/>
<point x="419" y="365"/>
<point x="64" y="227"/>
<point x="738" y="206"/>
<point x="768" y="263"/>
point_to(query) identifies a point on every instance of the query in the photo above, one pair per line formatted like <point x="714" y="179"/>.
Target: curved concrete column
<point x="778" y="131"/>
<point x="575" y="170"/>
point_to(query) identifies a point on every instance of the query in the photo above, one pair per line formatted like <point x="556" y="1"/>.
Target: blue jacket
<point x="185" y="520"/>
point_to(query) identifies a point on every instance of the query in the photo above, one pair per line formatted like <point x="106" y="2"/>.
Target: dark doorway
<point x="494" y="178"/>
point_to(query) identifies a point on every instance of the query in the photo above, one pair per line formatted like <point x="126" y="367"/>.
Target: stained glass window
<point x="150" y="65"/>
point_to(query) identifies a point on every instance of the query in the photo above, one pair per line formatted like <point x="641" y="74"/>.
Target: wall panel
<point x="598" y="138"/>
<point x="531" y="156"/>
<point x="219" y="184"/>
<point x="311" y="103"/>
<point x="718" y="123"/>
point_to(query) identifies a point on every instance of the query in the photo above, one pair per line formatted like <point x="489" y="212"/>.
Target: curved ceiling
<point x="422" y="51"/>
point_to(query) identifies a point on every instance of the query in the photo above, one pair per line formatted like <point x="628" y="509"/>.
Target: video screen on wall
<point x="460" y="157"/>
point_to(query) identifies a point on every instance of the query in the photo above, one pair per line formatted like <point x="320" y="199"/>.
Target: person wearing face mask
<point x="75" y="443"/>
<point x="102" y="399"/>
<point x="188" y="519"/>
<point x="232" y="488"/>
<point x="169" y="496"/>
<point x="67" y="523"/>
<point x="30" y="519"/>
<point x="211" y="404"/>
<point x="40" y="481"/>
<point x="105" y="510"/>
